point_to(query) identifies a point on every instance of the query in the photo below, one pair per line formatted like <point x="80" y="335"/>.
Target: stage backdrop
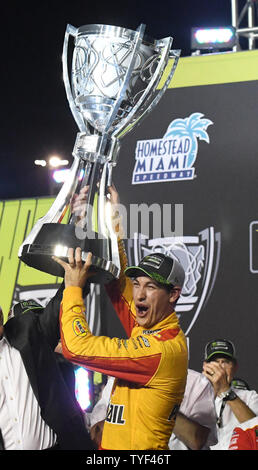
<point x="192" y="167"/>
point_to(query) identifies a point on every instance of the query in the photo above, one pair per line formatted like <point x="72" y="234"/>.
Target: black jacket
<point x="35" y="336"/>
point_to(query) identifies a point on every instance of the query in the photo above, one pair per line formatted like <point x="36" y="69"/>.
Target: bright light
<point x="81" y="175"/>
<point x="60" y="250"/>
<point x="204" y="36"/>
<point x="82" y="388"/>
<point x="60" y="175"/>
<point x="213" y="38"/>
<point x="56" y="161"/>
<point x="40" y="162"/>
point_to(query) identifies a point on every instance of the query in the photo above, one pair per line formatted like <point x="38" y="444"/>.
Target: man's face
<point x="153" y="303"/>
<point x="229" y="366"/>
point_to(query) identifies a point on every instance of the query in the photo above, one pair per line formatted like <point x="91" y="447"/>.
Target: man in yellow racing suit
<point x="150" y="366"/>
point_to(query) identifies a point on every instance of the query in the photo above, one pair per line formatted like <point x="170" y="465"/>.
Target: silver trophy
<point x="111" y="85"/>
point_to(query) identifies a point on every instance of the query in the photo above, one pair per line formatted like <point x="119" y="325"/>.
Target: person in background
<point x="37" y="410"/>
<point x="233" y="405"/>
<point x="245" y="436"/>
<point x="65" y="366"/>
<point x="195" y="427"/>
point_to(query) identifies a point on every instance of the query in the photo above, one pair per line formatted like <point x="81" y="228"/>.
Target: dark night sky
<point x="35" y="117"/>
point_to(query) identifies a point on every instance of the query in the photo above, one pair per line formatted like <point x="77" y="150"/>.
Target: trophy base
<point x="55" y="240"/>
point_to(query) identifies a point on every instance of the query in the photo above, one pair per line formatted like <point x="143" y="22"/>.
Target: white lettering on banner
<point x="171" y="158"/>
<point x="161" y="147"/>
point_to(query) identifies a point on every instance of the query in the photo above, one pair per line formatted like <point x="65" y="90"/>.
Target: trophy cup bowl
<point x="111" y="84"/>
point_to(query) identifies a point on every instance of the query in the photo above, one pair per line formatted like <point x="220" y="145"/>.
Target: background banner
<point x="192" y="167"/>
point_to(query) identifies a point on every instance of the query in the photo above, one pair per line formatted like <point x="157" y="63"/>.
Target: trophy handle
<point x="59" y="207"/>
<point x="167" y="54"/>
<point x="71" y="31"/>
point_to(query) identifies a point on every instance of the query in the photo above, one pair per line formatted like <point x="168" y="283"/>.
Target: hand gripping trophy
<point x="114" y="76"/>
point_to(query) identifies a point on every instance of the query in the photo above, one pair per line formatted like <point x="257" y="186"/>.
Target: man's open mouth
<point x="141" y="309"/>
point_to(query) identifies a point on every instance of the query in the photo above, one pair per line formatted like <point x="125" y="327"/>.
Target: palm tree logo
<point x="192" y="128"/>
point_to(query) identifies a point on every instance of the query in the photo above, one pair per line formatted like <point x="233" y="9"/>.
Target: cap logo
<point x="219" y="344"/>
<point x="153" y="261"/>
<point x="30" y="303"/>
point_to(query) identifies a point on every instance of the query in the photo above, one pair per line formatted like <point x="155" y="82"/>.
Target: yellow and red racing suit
<point x="150" y="369"/>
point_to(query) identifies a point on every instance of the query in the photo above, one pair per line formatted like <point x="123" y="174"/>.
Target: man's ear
<point x="174" y="294"/>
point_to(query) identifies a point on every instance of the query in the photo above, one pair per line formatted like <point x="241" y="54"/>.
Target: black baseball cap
<point x="26" y="306"/>
<point x="159" y="267"/>
<point x="219" y="347"/>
